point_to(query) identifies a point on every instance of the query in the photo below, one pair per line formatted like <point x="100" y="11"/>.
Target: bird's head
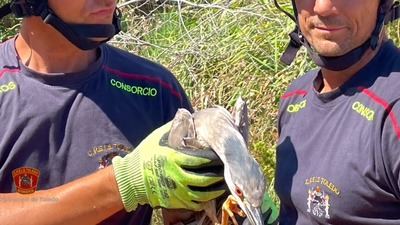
<point x="247" y="185"/>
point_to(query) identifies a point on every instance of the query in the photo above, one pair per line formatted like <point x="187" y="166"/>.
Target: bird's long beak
<point x="253" y="214"/>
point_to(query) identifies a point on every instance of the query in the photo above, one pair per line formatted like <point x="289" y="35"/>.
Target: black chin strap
<point x="80" y="35"/>
<point x="342" y="62"/>
<point x="338" y="63"/>
<point x="295" y="43"/>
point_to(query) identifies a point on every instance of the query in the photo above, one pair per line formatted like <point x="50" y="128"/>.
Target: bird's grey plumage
<point x="215" y="128"/>
<point x="240" y="116"/>
<point x="182" y="127"/>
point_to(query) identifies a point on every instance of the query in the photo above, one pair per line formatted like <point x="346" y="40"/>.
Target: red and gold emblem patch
<point x="26" y="179"/>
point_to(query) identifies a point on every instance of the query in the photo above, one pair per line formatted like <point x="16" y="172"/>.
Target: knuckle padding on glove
<point x="204" y="153"/>
<point x="218" y="186"/>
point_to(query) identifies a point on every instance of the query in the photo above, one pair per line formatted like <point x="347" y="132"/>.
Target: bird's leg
<point x="210" y="211"/>
<point x="230" y="207"/>
<point x="201" y="220"/>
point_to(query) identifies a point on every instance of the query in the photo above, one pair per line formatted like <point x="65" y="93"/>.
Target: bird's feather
<point x="227" y="134"/>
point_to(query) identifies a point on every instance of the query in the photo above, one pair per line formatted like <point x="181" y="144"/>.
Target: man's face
<point x="335" y="27"/>
<point x="84" y="11"/>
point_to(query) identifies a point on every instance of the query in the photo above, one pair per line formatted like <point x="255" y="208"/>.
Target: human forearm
<point x="152" y="174"/>
<point x="87" y="200"/>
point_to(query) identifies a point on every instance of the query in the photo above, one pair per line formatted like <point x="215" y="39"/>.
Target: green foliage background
<point x="218" y="50"/>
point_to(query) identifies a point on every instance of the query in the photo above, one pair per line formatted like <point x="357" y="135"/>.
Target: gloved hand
<point x="160" y="176"/>
<point x="269" y="211"/>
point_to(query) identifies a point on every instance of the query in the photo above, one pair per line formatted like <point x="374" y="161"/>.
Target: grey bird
<point x="227" y="135"/>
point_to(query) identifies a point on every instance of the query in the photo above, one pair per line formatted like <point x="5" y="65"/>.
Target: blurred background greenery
<point x="218" y="50"/>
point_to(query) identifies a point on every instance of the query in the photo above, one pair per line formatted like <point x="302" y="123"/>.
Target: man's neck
<point x="45" y="50"/>
<point x="334" y="79"/>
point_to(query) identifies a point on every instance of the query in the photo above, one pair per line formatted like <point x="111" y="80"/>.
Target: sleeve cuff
<point x="129" y="177"/>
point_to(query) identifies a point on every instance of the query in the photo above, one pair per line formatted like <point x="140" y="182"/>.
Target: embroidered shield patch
<point x="26" y="179"/>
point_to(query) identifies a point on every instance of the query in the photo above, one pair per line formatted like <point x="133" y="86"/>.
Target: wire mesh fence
<point x="218" y="50"/>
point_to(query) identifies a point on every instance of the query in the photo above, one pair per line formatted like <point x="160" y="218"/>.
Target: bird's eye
<point x="239" y="192"/>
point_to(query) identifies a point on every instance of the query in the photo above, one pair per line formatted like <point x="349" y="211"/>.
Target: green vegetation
<point x="219" y="54"/>
<point x="218" y="51"/>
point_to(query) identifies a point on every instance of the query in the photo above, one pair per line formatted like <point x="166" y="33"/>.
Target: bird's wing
<point x="240" y="115"/>
<point x="181" y="124"/>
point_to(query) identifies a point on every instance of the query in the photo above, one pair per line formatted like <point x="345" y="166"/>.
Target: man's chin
<point x="329" y="49"/>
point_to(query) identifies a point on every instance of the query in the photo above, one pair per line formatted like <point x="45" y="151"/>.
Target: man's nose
<point x="108" y="3"/>
<point x="325" y="8"/>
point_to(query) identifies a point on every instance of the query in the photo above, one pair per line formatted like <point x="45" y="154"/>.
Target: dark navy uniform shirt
<point x="69" y="125"/>
<point x="338" y="156"/>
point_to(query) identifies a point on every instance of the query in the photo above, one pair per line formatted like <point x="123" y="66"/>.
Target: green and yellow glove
<point x="160" y="176"/>
<point x="269" y="211"/>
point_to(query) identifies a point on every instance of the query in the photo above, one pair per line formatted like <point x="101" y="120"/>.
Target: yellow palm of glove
<point x="153" y="174"/>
